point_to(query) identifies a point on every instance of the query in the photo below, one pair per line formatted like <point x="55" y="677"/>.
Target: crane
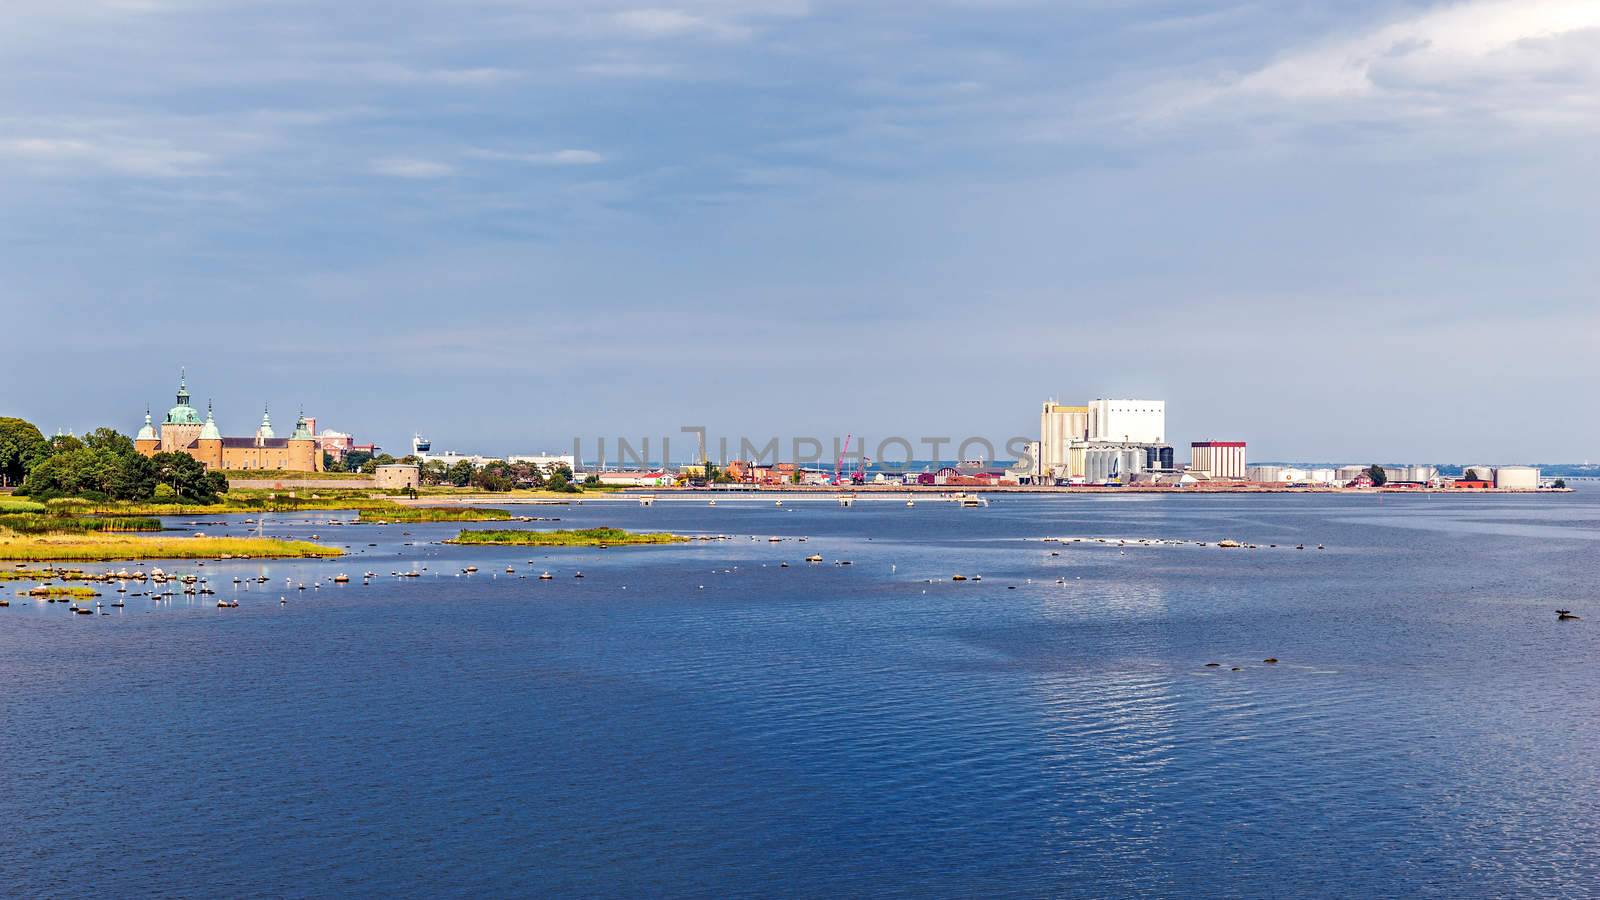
<point x="838" y="464"/>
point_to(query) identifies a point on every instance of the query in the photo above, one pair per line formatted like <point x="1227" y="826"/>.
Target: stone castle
<point x="183" y="431"/>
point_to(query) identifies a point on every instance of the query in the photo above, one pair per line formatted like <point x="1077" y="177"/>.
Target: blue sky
<point x="1362" y="230"/>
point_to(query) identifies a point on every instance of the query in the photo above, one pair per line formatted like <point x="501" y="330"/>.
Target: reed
<point x="33" y="523"/>
<point x="579" y="537"/>
<point x="20" y="505"/>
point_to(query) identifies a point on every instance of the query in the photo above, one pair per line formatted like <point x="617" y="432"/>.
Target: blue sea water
<point x="697" y="720"/>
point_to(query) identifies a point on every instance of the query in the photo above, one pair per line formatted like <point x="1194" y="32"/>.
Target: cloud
<point x="663" y="23"/>
<point x="1525" y="60"/>
<point x="58" y="155"/>
<point x="553" y="158"/>
<point x="406" y="167"/>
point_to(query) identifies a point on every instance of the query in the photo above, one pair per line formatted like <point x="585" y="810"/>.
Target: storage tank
<point x="1478" y="473"/>
<point x="1516" y="478"/>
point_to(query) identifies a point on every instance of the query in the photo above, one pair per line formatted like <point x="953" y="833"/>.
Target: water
<point x="696" y="720"/>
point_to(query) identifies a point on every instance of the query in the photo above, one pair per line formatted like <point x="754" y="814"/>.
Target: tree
<point x="372" y="464"/>
<point x="21" y="445"/>
<point x="355" y="459"/>
<point x="330" y="463"/>
<point x="560" y="484"/>
<point x="1559" y="483"/>
<point x="187" y="478"/>
<point x="591" y="480"/>
<point x="65" y="443"/>
<point x="460" y="474"/>
<point x="1378" y="475"/>
<point x="434" y="472"/>
<point x="110" y="440"/>
<point x="134" y="479"/>
<point x="79" y="472"/>
<point x="495" y="476"/>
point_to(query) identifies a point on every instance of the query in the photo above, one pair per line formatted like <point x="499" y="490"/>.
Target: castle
<point x="183" y="432"/>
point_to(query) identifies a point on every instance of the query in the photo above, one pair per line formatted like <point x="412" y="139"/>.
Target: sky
<point x="1359" y="231"/>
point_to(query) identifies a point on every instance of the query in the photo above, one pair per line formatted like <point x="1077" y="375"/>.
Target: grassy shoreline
<point x="90" y="547"/>
<point x="581" y="537"/>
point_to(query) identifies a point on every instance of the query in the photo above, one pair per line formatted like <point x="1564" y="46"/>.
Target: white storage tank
<point x="1516" y="478"/>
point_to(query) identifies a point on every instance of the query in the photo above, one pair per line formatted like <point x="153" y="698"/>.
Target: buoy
<point x="1212" y="665"/>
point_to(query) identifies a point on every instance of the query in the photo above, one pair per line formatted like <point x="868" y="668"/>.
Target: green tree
<point x="78" y="472"/>
<point x="187" y="478"/>
<point x="134" y="479"/>
<point x="372" y="464"/>
<point x="434" y="472"/>
<point x="355" y="459"/>
<point x="1378" y="475"/>
<point x="21" y="445"/>
<point x="460" y="474"/>
<point x="330" y="463"/>
<point x="1559" y="483"/>
<point x="110" y="440"/>
<point x="65" y="443"/>
<point x="495" y="476"/>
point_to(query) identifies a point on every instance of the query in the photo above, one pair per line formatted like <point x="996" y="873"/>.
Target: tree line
<point x="101" y="465"/>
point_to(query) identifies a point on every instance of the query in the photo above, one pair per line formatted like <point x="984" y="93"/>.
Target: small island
<point x="579" y="537"/>
<point x="398" y="513"/>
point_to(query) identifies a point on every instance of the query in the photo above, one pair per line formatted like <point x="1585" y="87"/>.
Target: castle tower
<point x="181" y="428"/>
<point x="304" y="454"/>
<point x="146" y="441"/>
<point x="264" y="432"/>
<point x="208" y="446"/>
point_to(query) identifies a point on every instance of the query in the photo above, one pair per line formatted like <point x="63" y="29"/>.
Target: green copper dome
<point x="301" y="433"/>
<point x="210" y="432"/>
<point x="183" y="413"/>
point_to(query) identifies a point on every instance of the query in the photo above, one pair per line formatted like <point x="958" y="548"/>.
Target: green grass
<point x="434" y="514"/>
<point x="120" y="546"/>
<point x="19" y="505"/>
<point x="75" y="592"/>
<point x="41" y="574"/>
<point x="245" y="501"/>
<point x="32" y="523"/>
<point x="582" y="537"/>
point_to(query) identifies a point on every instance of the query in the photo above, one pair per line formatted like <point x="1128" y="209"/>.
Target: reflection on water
<point x="700" y="720"/>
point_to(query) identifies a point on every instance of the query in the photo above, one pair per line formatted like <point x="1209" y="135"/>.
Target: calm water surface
<point x="697" y="720"/>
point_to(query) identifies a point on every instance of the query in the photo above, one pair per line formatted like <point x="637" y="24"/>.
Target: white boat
<point x="970" y="500"/>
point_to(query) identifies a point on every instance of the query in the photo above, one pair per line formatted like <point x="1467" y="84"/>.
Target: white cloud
<point x="1523" y="60"/>
<point x="406" y="167"/>
<point x="662" y="23"/>
<point x="58" y="155"/>
<point x="571" y="157"/>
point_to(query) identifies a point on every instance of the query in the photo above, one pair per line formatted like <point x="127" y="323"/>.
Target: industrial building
<point x="1102" y="441"/>
<point x="1128" y="421"/>
<point x="1218" y="459"/>
<point x="1516" y="478"/>
<point x="1059" y="427"/>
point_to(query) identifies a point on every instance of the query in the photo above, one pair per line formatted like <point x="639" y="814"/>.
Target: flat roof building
<point x="1219" y="459"/>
